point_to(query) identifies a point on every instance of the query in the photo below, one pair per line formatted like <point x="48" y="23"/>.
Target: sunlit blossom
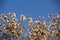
<point x="12" y="14"/>
<point x="29" y="28"/>
<point x="13" y="20"/>
<point x="22" y="17"/>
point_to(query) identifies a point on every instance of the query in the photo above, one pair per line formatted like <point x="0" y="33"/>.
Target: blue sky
<point x="29" y="8"/>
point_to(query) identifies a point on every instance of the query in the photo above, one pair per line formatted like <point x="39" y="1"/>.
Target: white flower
<point x="48" y="28"/>
<point x="13" y="19"/>
<point x="2" y="15"/>
<point x="22" y="17"/>
<point x="7" y="20"/>
<point x="44" y="23"/>
<point x="14" y="25"/>
<point x="12" y="14"/>
<point x="30" y="19"/>
<point x="58" y="16"/>
<point x="37" y="21"/>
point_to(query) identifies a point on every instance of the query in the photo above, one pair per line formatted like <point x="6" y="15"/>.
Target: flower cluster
<point x="13" y="28"/>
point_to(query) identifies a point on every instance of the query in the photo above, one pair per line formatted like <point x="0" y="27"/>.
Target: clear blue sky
<point x="30" y="7"/>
